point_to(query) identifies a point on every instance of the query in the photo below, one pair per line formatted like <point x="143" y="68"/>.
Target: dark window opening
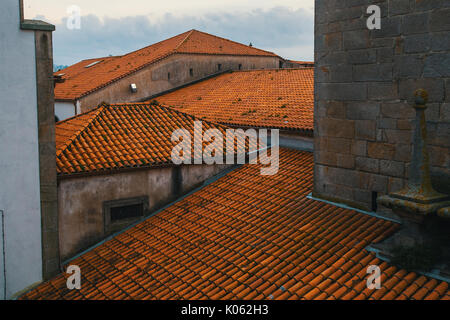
<point x="280" y="64"/>
<point x="219" y="66"/>
<point x="120" y="213"/>
<point x="374" y="201"/>
<point x="168" y="76"/>
<point x="191" y="72"/>
<point x="240" y="66"/>
<point x="127" y="212"/>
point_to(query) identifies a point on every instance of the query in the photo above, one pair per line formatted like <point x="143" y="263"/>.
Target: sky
<point x="116" y="27"/>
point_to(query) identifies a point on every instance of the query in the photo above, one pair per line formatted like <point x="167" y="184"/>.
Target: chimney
<point x="423" y="242"/>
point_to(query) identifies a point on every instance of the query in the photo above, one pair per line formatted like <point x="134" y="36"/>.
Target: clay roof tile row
<point x="246" y="236"/>
<point x="120" y="136"/>
<point x="279" y="98"/>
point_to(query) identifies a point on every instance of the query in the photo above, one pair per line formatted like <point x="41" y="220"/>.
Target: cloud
<point x="280" y="28"/>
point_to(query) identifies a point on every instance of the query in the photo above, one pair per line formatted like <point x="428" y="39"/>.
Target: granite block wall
<point x="364" y="86"/>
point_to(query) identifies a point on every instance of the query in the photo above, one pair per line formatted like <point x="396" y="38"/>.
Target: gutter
<point x="344" y="206"/>
<point x="3" y="253"/>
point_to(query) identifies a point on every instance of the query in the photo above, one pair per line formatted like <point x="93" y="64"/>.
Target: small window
<point x="168" y="76"/>
<point x="280" y="64"/>
<point x="118" y="214"/>
<point x="240" y="66"/>
<point x="127" y="212"/>
<point x="191" y="72"/>
<point x="219" y="66"/>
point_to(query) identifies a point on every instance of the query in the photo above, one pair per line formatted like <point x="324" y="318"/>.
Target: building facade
<point x="28" y="206"/>
<point x="364" y="93"/>
<point x="183" y="59"/>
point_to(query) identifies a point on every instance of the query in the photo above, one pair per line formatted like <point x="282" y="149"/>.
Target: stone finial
<point x="424" y="212"/>
<point x="419" y="198"/>
<point x="421" y="98"/>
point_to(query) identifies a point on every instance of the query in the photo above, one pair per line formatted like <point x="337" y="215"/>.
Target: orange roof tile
<point x="280" y="98"/>
<point x="120" y="136"/>
<point x="80" y="80"/>
<point x="245" y="236"/>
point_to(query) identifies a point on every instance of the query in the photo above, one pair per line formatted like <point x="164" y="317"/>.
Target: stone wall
<point x="47" y="153"/>
<point x="364" y="85"/>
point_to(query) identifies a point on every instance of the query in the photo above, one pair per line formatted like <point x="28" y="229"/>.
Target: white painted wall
<point x="64" y="110"/>
<point x="19" y="157"/>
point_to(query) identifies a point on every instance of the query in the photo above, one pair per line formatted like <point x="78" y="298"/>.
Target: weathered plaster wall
<point x="154" y="78"/>
<point x="80" y="200"/>
<point x="64" y="110"/>
<point x="194" y="175"/>
<point x="19" y="154"/>
<point x="364" y="85"/>
<point x="296" y="141"/>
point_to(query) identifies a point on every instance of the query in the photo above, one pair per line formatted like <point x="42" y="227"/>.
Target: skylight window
<point x="93" y="63"/>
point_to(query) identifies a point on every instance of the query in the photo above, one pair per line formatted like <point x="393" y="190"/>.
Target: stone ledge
<point x="36" y="25"/>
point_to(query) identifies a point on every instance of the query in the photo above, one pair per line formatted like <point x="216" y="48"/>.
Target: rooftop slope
<point x="120" y="136"/>
<point x="80" y="80"/>
<point x="282" y="98"/>
<point x="245" y="236"/>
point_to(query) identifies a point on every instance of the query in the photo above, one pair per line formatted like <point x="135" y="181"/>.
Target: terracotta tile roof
<point x="120" y="136"/>
<point x="68" y="129"/>
<point x="246" y="236"/>
<point x="81" y="80"/>
<point x="280" y="98"/>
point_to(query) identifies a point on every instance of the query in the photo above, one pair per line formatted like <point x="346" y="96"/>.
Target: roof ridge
<point x="232" y="41"/>
<point x="99" y="109"/>
<point x="184" y="40"/>
<point x="79" y="115"/>
<point x="154" y="44"/>
<point x="166" y="108"/>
